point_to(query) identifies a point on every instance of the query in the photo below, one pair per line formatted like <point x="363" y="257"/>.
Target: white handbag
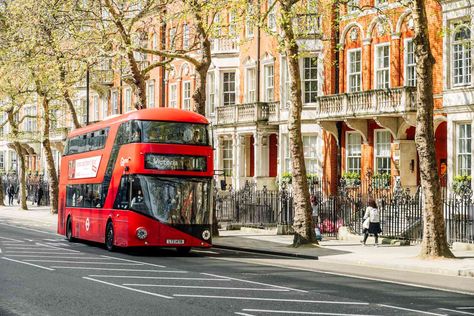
<point x="366" y="223"/>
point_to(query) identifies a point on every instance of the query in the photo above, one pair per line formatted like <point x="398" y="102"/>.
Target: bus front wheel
<point x="183" y="250"/>
<point x="109" y="237"/>
<point x="69" y="230"/>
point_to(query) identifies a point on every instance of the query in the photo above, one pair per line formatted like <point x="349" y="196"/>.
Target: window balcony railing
<point x="366" y="103"/>
<point x="244" y="113"/>
<point x="103" y="76"/>
<point x="307" y="25"/>
<point x="224" y="46"/>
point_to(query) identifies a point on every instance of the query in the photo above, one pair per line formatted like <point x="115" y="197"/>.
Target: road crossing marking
<point x="271" y="299"/>
<point x="410" y="310"/>
<point x="11" y="239"/>
<point x="153" y="278"/>
<point x="298" y="312"/>
<point x="253" y="282"/>
<point x="465" y="307"/>
<point x="27" y="263"/>
<point x="243" y="314"/>
<point x="114" y="269"/>
<point x="456" y="311"/>
<point x="42" y="252"/>
<point x="128" y="288"/>
<point x="128" y="260"/>
<point x="207" y="287"/>
<point x="59" y="257"/>
<point x="82" y="262"/>
<point x="56" y="247"/>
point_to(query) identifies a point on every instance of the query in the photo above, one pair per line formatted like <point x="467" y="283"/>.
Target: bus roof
<point x="155" y="114"/>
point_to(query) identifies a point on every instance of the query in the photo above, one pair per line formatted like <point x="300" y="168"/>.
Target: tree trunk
<point x="434" y="235"/>
<point x="303" y="221"/>
<point x="21" y="176"/>
<point x="72" y="109"/>
<point x="52" y="175"/>
<point x="139" y="80"/>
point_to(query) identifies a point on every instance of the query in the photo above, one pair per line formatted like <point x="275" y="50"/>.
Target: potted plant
<point x="286" y="177"/>
<point x="351" y="179"/>
<point x="381" y="180"/>
<point x="461" y="183"/>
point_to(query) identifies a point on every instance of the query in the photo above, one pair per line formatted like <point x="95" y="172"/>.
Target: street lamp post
<point x="87" y="95"/>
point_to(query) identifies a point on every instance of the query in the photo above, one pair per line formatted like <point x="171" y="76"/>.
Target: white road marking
<point x="207" y="287"/>
<point x="82" y="262"/>
<point x="0" y="250"/>
<point x="56" y="247"/>
<point x="30" y="240"/>
<point x="154" y="278"/>
<point x="243" y="314"/>
<point x="113" y="269"/>
<point x="299" y="313"/>
<point x="58" y="257"/>
<point x="410" y="310"/>
<point x="206" y="251"/>
<point x="253" y="282"/>
<point x="456" y="311"/>
<point x="270" y="299"/>
<point x="128" y="288"/>
<point x="465" y="307"/>
<point x="53" y="255"/>
<point x="30" y="264"/>
<point x="348" y="276"/>
<point x="128" y="260"/>
<point x="42" y="252"/>
<point x="28" y="248"/>
<point x="11" y="239"/>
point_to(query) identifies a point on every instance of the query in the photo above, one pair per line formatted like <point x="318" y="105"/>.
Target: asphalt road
<point x="42" y="274"/>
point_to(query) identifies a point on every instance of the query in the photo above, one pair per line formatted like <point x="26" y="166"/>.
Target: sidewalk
<point x="350" y="252"/>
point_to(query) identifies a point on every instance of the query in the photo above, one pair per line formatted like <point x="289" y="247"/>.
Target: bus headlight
<point x="141" y="233"/>
<point x="206" y="234"/>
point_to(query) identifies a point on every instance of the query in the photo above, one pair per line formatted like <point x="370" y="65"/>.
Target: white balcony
<point x="246" y="113"/>
<point x="366" y="103"/>
<point x="224" y="46"/>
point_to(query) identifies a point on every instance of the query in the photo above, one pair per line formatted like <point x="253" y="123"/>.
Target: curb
<point x="267" y="252"/>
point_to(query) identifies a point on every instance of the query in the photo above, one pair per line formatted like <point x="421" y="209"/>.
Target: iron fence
<point x="401" y="211"/>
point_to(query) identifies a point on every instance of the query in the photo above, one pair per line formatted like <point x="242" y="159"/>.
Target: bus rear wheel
<point x="183" y="250"/>
<point x="109" y="237"/>
<point x="69" y="230"/>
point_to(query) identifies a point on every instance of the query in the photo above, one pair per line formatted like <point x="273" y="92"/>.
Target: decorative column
<point x="367" y="64"/>
<point x="342" y="69"/>
<point x="240" y="160"/>
<point x="235" y="162"/>
<point x="395" y="61"/>
<point x="257" y="155"/>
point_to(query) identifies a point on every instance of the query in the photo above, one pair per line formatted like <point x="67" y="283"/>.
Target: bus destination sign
<point x="176" y="162"/>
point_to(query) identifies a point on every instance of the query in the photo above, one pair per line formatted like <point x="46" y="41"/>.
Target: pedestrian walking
<point x="371" y="223"/>
<point x="11" y="193"/>
<point x="39" y="196"/>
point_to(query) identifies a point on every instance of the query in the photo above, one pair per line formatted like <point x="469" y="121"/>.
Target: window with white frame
<point x="249" y="23"/>
<point x="128" y="99"/>
<point x="354" y="71"/>
<point x="83" y="105"/>
<point x="2" y="160"/>
<point x="382" y="66"/>
<point x="271" y="17"/>
<point x="269" y="86"/>
<point x="251" y="85"/>
<point x="228" y="88"/>
<point x="187" y="95"/>
<point x="95" y="102"/>
<point x="154" y="40"/>
<point x="352" y="6"/>
<point x="410" y="64"/>
<point x="150" y="94"/>
<point x="382" y="152"/>
<point x="172" y="38"/>
<point x="286" y="80"/>
<point x="232" y="24"/>
<point x="227" y="157"/>
<point x="105" y="107"/>
<point x="115" y="105"/>
<point x="464" y="152"/>
<point x="185" y="36"/>
<point x="173" y="101"/>
<point x="461" y="58"/>
<point x="211" y="90"/>
<point x="286" y="153"/>
<point x="310" y="79"/>
<point x="310" y="151"/>
<point x="353" y="152"/>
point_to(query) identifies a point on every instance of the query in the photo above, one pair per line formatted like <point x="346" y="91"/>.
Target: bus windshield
<point x="171" y="200"/>
<point x="174" y="133"/>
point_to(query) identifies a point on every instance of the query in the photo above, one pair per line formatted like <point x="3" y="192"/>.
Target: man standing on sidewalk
<point x="11" y="193"/>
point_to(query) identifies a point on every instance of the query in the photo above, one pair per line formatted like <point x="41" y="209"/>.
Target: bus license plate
<point x="175" y="241"/>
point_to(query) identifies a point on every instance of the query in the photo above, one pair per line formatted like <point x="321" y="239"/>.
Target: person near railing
<point x="373" y="217"/>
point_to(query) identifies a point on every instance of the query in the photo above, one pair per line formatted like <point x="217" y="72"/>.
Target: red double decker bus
<point x="139" y="179"/>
